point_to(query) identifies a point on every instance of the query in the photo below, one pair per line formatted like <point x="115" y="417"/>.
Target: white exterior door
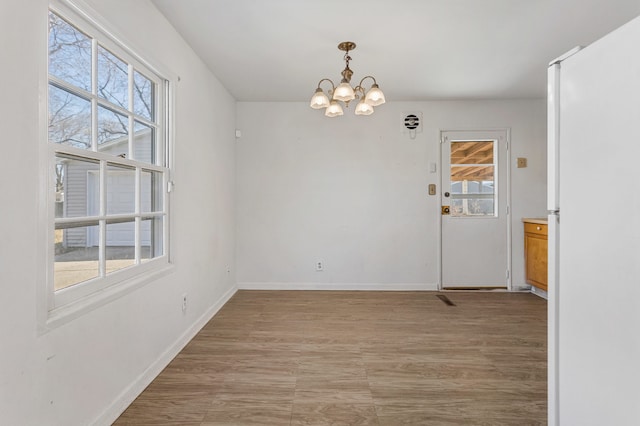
<point x="474" y="198"/>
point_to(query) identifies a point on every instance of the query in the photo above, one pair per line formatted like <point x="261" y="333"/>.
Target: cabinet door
<point x="535" y="247"/>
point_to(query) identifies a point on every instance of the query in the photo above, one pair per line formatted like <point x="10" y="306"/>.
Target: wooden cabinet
<point x="535" y="252"/>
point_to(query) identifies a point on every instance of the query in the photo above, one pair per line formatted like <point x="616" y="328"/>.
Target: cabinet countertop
<point x="539" y="220"/>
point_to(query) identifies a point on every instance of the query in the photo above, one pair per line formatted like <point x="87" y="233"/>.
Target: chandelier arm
<point x="360" y="89"/>
<point x="333" y="87"/>
<point x="365" y="77"/>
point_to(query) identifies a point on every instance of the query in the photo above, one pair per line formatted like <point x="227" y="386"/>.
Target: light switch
<point x="432" y="189"/>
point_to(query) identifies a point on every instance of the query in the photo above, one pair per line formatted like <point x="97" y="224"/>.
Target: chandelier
<point x="345" y="93"/>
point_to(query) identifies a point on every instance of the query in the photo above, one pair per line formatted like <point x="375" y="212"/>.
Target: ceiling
<point x="418" y="50"/>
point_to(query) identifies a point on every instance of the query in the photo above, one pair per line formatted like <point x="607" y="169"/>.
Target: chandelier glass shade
<point x="344" y="93"/>
<point x="334" y="109"/>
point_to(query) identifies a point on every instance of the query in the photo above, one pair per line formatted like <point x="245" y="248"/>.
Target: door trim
<point x="507" y="131"/>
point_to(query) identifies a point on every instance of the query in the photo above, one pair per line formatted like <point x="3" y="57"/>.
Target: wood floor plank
<point x="339" y="413"/>
<point x="330" y="357"/>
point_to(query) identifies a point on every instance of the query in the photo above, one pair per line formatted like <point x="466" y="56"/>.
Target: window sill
<point x="66" y="313"/>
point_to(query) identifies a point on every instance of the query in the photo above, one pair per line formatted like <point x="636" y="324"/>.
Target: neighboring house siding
<point x="82" y="198"/>
<point x="142" y="146"/>
<point x="76" y="202"/>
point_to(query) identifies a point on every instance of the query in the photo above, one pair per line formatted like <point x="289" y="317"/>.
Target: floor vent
<point x="445" y="300"/>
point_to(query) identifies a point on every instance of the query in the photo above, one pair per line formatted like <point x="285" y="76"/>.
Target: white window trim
<point x="51" y="312"/>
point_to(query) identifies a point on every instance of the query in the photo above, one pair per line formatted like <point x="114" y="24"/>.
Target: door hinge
<point x="507" y="210"/>
<point x="169" y="186"/>
<point x="507" y="274"/>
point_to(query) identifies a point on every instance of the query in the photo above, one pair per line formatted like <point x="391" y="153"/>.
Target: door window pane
<point x="474" y="175"/>
<point x="472" y="179"/>
<point x="472" y="152"/>
<point x="472" y="206"/>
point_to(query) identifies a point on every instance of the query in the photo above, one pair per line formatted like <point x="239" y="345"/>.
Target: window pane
<point x="112" y="132"/>
<point x="473" y="186"/>
<point x="77" y="187"/>
<point x="473" y="206"/>
<point x="120" y="246"/>
<point x="472" y="152"/>
<point x="121" y="190"/>
<point x="143" y="96"/>
<point x="472" y="198"/>
<point x="469" y="174"/>
<point x="151" y="191"/>
<point x="69" y="119"/>
<point x="76" y="255"/>
<point x="113" y="83"/>
<point x="472" y="178"/>
<point x="69" y="53"/>
<point x="144" y="143"/>
<point x="151" y="238"/>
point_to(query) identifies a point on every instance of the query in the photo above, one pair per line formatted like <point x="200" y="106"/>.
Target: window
<point x="472" y="178"/>
<point x="108" y="159"/>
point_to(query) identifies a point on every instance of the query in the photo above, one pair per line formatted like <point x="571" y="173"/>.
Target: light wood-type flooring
<point x="358" y="358"/>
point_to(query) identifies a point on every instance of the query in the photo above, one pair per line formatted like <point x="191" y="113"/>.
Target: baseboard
<point x="117" y="407"/>
<point x="338" y="286"/>
<point x="540" y="293"/>
<point x="521" y="288"/>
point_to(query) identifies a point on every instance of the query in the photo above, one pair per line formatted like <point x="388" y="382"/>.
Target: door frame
<point x="507" y="172"/>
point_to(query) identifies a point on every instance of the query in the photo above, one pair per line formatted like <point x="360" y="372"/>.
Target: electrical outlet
<point x="319" y="266"/>
<point x="522" y="162"/>
<point x="184" y="303"/>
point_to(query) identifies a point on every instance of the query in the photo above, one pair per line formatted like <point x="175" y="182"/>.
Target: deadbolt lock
<point x="445" y="210"/>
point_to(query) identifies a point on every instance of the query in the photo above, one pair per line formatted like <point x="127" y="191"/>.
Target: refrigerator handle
<point x="553" y="135"/>
<point x="553" y="129"/>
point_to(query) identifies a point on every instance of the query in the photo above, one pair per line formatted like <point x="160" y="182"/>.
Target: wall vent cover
<point x="412" y="123"/>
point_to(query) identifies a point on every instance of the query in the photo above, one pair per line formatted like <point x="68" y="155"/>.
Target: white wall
<point x="352" y="191"/>
<point x="90" y="368"/>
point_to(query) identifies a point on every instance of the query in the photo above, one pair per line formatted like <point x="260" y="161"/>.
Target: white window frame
<point x="57" y="307"/>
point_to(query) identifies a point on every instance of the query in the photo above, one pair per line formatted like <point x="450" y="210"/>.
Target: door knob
<point x="446" y="194"/>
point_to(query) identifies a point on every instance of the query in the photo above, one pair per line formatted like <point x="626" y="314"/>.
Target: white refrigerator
<point x="594" y="232"/>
